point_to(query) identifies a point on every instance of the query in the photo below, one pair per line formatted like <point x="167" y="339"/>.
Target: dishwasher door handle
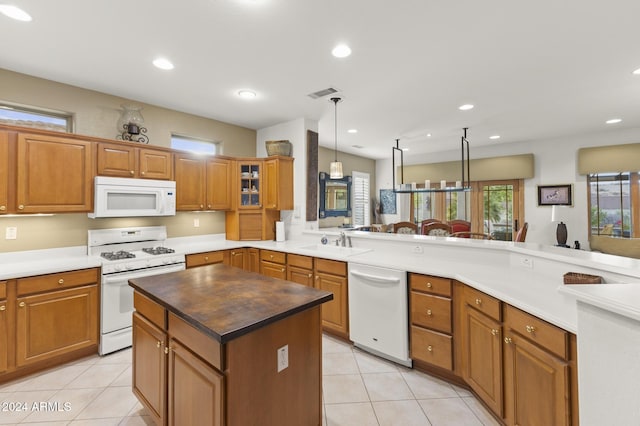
<point x="375" y="278"/>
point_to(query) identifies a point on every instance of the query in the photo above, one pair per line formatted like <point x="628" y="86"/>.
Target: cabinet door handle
<point x="3" y="308"/>
<point x="530" y="329"/>
<point x="202" y="206"/>
<point x="209" y="206"/>
<point x="3" y="208"/>
<point x="507" y="340"/>
<point x="21" y="207"/>
<point x="158" y="344"/>
<point x="282" y="270"/>
<point x="61" y="281"/>
<point x="131" y="172"/>
<point x="166" y="349"/>
<point x="310" y="275"/>
<point x="478" y="302"/>
<point x="494" y="332"/>
<point x="22" y="304"/>
<point x="142" y="173"/>
<point x="428" y="312"/>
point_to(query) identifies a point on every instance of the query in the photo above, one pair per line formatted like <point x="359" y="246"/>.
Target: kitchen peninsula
<point x="219" y="345"/>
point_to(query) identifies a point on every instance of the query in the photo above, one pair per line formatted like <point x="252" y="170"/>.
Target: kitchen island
<point x="218" y="345"/>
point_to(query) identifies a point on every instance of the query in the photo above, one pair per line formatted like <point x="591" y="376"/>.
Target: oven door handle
<point x="123" y="279"/>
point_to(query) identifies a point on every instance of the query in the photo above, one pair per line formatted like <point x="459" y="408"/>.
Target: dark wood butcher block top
<point x="226" y="302"/>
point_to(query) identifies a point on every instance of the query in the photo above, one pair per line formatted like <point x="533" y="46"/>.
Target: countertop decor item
<point x="282" y="147"/>
<point x="579" y="278"/>
<point x="558" y="215"/>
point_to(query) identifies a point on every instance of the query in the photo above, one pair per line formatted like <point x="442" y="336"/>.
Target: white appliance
<point x="127" y="253"/>
<point x="125" y="197"/>
<point x="378" y="312"/>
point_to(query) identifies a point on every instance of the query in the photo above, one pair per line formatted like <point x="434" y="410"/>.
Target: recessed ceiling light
<point x="352" y="131"/>
<point x="341" y="51"/>
<point x="465" y="107"/>
<point x="247" y="94"/>
<point x="636" y="72"/>
<point x="428" y="135"/>
<point x="14" y="13"/>
<point x="494" y="137"/>
<point x="614" y="121"/>
<point x="163" y="64"/>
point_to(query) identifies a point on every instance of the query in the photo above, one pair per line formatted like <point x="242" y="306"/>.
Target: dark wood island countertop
<point x="226" y="302"/>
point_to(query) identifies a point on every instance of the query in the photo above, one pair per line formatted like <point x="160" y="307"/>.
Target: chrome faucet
<point x="343" y="239"/>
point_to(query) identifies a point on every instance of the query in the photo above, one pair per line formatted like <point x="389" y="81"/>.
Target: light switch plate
<point x="11" y="233"/>
<point x="283" y="358"/>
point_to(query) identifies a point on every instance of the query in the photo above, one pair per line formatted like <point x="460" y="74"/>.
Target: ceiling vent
<point x="323" y="92"/>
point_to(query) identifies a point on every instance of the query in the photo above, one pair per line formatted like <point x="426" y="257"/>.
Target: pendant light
<point x="335" y="170"/>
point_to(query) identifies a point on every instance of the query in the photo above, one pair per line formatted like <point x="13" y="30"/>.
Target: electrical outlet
<point x="283" y="358"/>
<point x="11" y="233"/>
<point x="527" y="262"/>
<point x="196" y="223"/>
<point x="417" y="249"/>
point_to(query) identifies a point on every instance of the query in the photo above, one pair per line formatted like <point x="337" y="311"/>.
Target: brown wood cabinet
<point x="207" y="258"/>
<point x="300" y="269"/>
<point x="4" y="172"/>
<point x="54" y="174"/>
<point x="331" y="275"/>
<point x="56" y="314"/>
<point x="253" y="260"/>
<point x="202" y="183"/>
<point x="536" y="371"/>
<point x="125" y="160"/>
<point x="4" y="328"/>
<point x="273" y="264"/>
<point x="278" y="177"/>
<point x="431" y="320"/>
<point x="237" y="258"/>
<point x="149" y="366"/>
<point x="482" y="347"/>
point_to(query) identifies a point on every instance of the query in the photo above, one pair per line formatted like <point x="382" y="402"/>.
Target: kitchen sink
<point x="332" y="248"/>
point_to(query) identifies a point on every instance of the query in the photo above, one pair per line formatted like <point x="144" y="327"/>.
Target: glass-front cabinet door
<point x="250" y="185"/>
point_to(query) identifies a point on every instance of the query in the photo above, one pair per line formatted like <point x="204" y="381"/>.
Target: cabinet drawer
<point x="305" y="262"/>
<point x="334" y="267"/>
<point x="3" y="290"/>
<point x="432" y="347"/>
<point x="150" y="310"/>
<point x="482" y="302"/>
<point x="273" y="256"/>
<point x="429" y="284"/>
<point x="57" y="281"/>
<point x="206" y="347"/>
<point x="431" y="311"/>
<point x="548" y="336"/>
<point x="207" y="258"/>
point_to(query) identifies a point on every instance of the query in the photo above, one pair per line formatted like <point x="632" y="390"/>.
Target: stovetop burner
<point x="117" y="255"/>
<point x="158" y="250"/>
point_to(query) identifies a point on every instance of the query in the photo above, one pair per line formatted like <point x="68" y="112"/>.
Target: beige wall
<point x="350" y="163"/>
<point x="96" y="114"/>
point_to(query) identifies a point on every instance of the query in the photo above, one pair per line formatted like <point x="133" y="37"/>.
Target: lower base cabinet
<point x="331" y="275"/>
<point x="4" y="328"/>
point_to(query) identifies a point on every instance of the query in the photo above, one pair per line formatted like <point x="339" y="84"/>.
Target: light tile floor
<point x="359" y="389"/>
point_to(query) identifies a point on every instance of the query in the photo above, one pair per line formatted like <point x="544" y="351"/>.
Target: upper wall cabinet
<point x="202" y="183"/>
<point x="53" y="174"/>
<point x="4" y="173"/>
<point x="122" y="160"/>
<point x="278" y="177"/>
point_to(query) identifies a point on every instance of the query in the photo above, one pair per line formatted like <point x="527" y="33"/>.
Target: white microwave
<point x="125" y="197"/>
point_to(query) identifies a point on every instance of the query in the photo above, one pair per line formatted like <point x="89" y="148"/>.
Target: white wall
<point x="555" y="163"/>
<point x="294" y="131"/>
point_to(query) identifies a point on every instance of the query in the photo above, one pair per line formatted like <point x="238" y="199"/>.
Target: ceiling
<point x="533" y="70"/>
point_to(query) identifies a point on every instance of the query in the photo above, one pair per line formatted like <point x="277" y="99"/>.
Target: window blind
<point x="361" y="199"/>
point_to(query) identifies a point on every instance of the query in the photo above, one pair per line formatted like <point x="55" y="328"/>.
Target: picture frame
<point x="555" y="195"/>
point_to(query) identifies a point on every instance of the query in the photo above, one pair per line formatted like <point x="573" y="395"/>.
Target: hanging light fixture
<point x="335" y="171"/>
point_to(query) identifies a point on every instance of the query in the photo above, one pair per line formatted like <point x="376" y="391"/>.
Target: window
<point x="422" y="206"/>
<point x="613" y="197"/>
<point x="38" y="118"/>
<point x="361" y="199"/>
<point x="498" y="211"/>
<point x="195" y="145"/>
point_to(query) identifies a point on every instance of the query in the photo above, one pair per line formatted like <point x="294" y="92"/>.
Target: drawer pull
<point x="202" y="206"/>
<point x="507" y="340"/>
<point x="21" y="207"/>
<point x="429" y="312"/>
<point x="209" y="206"/>
<point x="3" y="308"/>
<point x="3" y="208"/>
<point x="429" y="285"/>
<point x="22" y="304"/>
<point x="131" y="172"/>
<point x="530" y="329"/>
<point x="430" y="348"/>
<point x="478" y="302"/>
<point x="61" y="281"/>
<point x="206" y="258"/>
<point x="494" y="332"/>
<point x="271" y="256"/>
<point x="282" y="270"/>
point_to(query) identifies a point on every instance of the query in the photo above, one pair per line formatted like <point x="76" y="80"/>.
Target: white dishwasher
<point x="378" y="311"/>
